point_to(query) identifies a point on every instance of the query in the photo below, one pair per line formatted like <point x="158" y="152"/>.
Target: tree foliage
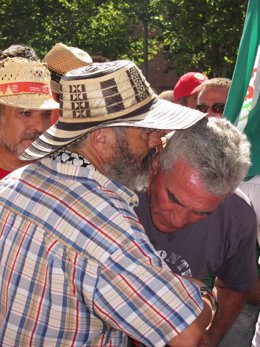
<point x="204" y="35"/>
<point x="198" y="34"/>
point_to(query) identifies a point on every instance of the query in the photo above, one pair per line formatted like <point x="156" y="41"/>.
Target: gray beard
<point x="126" y="169"/>
<point x="7" y="146"/>
<point x="16" y="149"/>
<point x="128" y="174"/>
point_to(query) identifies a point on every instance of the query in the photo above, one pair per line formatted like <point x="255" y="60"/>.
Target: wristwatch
<point x="208" y="294"/>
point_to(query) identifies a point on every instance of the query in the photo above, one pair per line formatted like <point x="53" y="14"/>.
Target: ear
<point x="102" y="141"/>
<point x="98" y="138"/>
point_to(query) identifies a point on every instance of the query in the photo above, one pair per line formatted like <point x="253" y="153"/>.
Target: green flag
<point x="243" y="103"/>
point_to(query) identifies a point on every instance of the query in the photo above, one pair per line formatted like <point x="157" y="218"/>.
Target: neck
<point x="93" y="159"/>
<point x="9" y="161"/>
<point x="91" y="154"/>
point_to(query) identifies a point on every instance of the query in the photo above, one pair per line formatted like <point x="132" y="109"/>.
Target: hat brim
<point x="158" y="114"/>
<point x="192" y="92"/>
<point x="196" y="89"/>
<point x="30" y="101"/>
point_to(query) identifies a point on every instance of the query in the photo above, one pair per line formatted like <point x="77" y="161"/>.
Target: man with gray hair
<point x="212" y="99"/>
<point x="77" y="268"/>
<point x="195" y="221"/>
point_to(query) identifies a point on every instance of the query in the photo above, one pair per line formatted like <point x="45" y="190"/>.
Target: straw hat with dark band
<point x="25" y="84"/>
<point x="61" y="59"/>
<point x="104" y="95"/>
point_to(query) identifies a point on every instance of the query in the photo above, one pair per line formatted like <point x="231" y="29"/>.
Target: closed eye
<point x="173" y="199"/>
<point x="203" y="213"/>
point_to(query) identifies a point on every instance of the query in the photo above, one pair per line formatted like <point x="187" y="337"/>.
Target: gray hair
<point x="217" y="82"/>
<point x="221" y="82"/>
<point x="19" y="50"/>
<point x="214" y="147"/>
<point x="166" y="95"/>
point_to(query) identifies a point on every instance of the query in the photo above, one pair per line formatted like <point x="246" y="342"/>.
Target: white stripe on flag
<point x="252" y="94"/>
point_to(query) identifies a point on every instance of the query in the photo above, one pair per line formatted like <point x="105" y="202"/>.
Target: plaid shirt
<point x="76" y="267"/>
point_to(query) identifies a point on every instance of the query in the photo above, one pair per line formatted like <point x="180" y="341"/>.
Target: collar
<point x="74" y="160"/>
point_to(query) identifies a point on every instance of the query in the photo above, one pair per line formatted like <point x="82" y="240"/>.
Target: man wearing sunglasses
<point x="213" y="95"/>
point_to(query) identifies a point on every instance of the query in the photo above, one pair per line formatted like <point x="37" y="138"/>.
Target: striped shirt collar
<point x="74" y="164"/>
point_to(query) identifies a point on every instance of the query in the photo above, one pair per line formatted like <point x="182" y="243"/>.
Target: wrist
<point x="209" y="297"/>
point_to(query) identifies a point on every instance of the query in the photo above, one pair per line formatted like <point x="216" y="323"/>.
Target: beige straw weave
<point x="25" y="83"/>
<point x="62" y="58"/>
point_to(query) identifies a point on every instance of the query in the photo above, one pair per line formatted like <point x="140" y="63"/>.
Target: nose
<point x="180" y="218"/>
<point x="212" y="114"/>
<point x="155" y="140"/>
<point x="39" y="122"/>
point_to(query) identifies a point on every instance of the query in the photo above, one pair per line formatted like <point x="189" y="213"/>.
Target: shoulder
<point x="237" y="206"/>
<point x="234" y="219"/>
<point x="252" y="190"/>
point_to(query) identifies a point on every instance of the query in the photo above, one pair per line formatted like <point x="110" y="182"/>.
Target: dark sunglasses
<point x="216" y="108"/>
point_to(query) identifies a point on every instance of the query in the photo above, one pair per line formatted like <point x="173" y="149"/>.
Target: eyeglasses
<point x="216" y="108"/>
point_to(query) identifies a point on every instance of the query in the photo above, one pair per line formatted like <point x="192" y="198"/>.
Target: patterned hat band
<point x="25" y="84"/>
<point x="24" y="88"/>
<point x="104" y="95"/>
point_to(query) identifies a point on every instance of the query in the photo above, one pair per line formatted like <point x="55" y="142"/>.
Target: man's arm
<point x="230" y="303"/>
<point x="191" y="336"/>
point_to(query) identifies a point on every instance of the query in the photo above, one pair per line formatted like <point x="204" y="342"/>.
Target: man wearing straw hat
<point x="25" y="108"/>
<point x="61" y="59"/>
<point x="76" y="266"/>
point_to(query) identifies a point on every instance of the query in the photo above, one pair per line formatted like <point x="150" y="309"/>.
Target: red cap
<point x="188" y="84"/>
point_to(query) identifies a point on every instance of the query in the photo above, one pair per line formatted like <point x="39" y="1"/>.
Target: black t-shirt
<point x="223" y="243"/>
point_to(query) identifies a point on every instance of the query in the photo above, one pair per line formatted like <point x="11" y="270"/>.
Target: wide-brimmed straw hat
<point x="106" y="95"/>
<point x="25" y="84"/>
<point x="61" y="59"/>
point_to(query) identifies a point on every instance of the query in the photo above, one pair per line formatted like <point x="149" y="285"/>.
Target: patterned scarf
<point x="66" y="157"/>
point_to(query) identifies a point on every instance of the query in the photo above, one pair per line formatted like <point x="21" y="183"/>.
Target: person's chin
<point x="164" y="227"/>
<point x="23" y="145"/>
<point x="167" y="230"/>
